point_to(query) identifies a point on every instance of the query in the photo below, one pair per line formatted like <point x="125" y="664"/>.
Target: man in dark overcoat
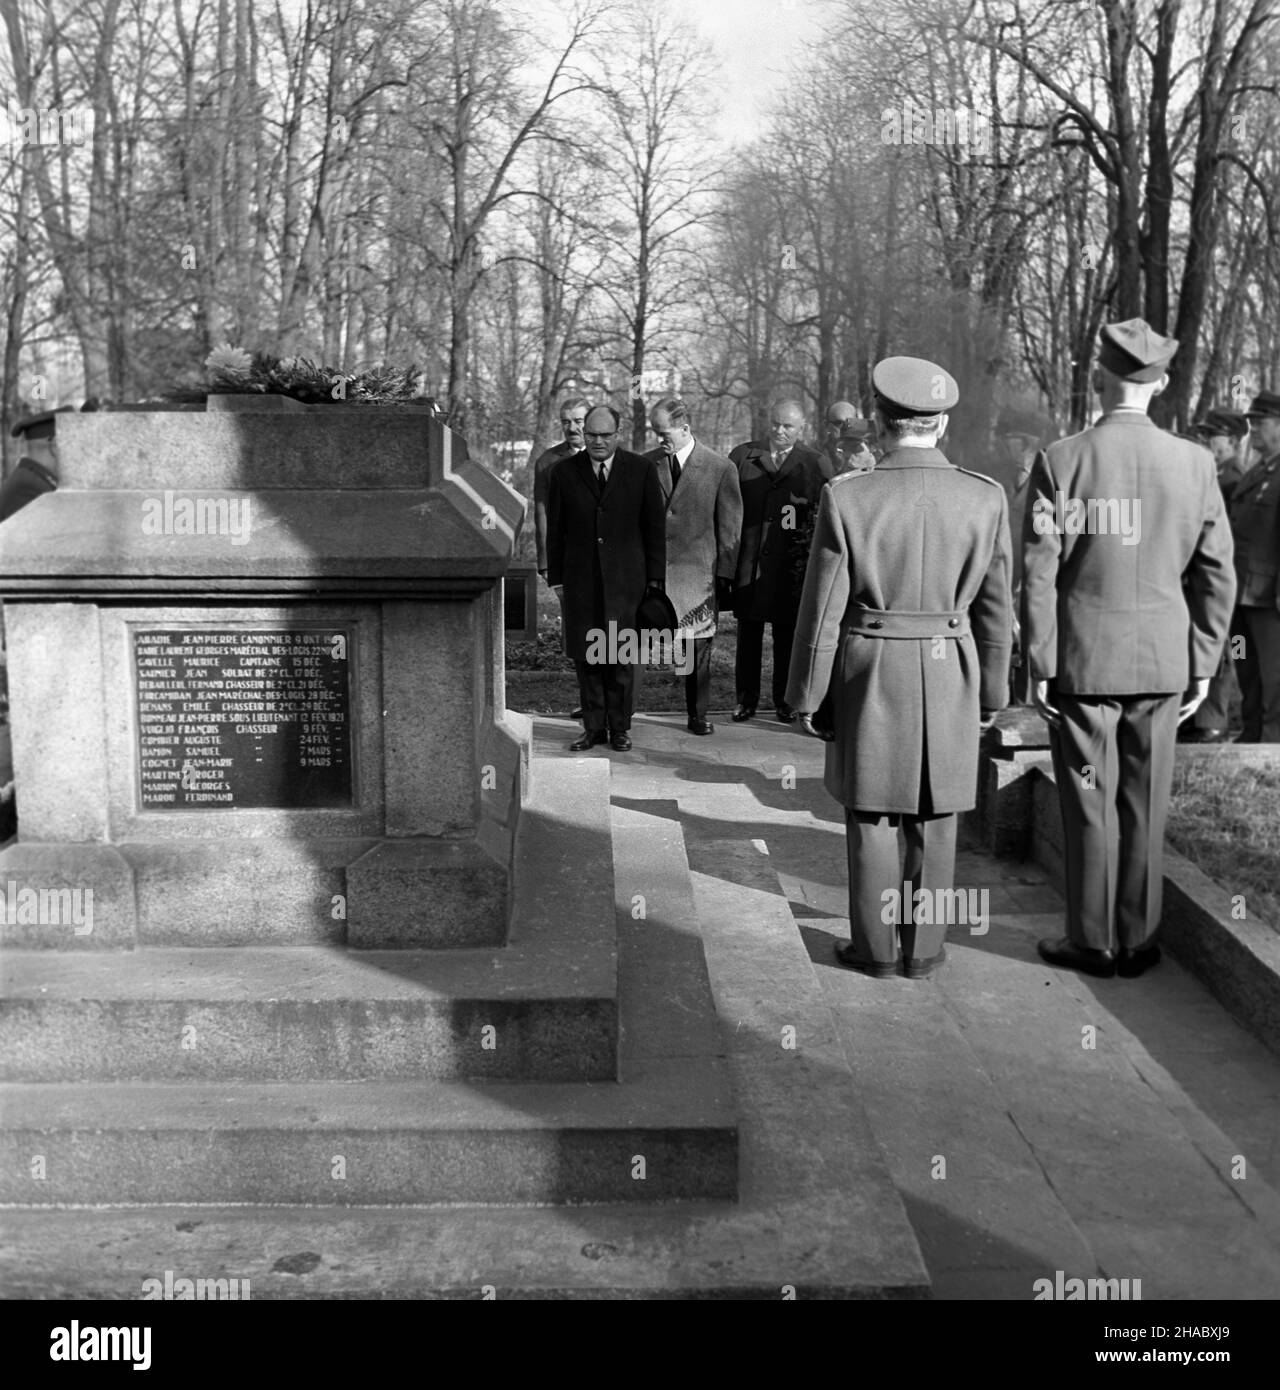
<point x="780" y="481"/>
<point x="606" y="545"/>
<point x="905" y="631"/>
<point x="704" y="523"/>
<point x="1255" y="521"/>
<point x="1126" y="600"/>
<point x="573" y="416"/>
<point x="1224" y="433"/>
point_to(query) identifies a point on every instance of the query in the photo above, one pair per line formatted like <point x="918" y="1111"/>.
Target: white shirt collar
<point x="682" y="455"/>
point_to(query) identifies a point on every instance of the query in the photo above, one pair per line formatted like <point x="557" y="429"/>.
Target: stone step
<point x="666" y="1135"/>
<point x="298" y="1013"/>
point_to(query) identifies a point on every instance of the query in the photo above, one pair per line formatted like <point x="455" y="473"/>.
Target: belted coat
<point x="704" y="524"/>
<point x="604" y="547"/>
<point x="775" y="510"/>
<point x="905" y="627"/>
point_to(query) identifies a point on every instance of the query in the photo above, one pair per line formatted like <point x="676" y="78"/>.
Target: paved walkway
<point x="1018" y="1148"/>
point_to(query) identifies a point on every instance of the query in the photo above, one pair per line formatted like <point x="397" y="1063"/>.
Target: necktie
<point x="601" y="477"/>
<point x="675" y="470"/>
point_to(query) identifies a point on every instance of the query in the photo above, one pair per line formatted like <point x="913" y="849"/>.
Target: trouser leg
<point x="1146" y="735"/>
<point x="1085" y="764"/>
<point x="783" y="637"/>
<point x="1264" y="639"/>
<point x="746" y="666"/>
<point x="591" y="684"/>
<point x="697" y="684"/>
<point x="1249" y="674"/>
<point x="874" y="867"/>
<point x="619" y="692"/>
<point x="930" y="864"/>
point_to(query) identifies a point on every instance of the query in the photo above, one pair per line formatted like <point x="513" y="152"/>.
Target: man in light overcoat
<point x="704" y="523"/>
<point x="1126" y="599"/>
<point x="904" y="634"/>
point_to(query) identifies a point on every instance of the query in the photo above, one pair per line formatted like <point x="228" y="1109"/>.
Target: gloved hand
<point x="724" y="593"/>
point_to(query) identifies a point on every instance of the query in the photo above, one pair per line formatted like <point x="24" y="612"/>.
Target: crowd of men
<point x="896" y="599"/>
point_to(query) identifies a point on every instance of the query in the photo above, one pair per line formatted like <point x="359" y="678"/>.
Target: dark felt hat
<point x="1134" y="351"/>
<point x="656" y="613"/>
<point x="1266" y="406"/>
<point x="913" y="386"/>
<point x="1229" y="422"/>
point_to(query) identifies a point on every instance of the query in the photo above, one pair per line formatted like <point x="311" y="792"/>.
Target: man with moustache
<point x="1122" y="630"/>
<point x="606" y="547"/>
<point x="704" y="523"/>
<point x="780" y="481"/>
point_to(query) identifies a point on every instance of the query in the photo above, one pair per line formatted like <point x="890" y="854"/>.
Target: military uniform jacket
<point x="542" y="467"/>
<point x="906" y="624"/>
<point x="1103" y="615"/>
<point x="704" y="525"/>
<point x="1255" y="522"/>
<point x="774" y="513"/>
<point x="603" y="547"/>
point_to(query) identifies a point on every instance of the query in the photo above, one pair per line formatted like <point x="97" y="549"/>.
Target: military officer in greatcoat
<point x="1255" y="521"/>
<point x="904" y="634"/>
<point x="1126" y="599"/>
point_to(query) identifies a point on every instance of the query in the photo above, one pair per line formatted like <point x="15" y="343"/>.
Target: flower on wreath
<point x="230" y="361"/>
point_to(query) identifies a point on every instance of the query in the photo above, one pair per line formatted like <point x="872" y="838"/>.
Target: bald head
<point x="786" y="424"/>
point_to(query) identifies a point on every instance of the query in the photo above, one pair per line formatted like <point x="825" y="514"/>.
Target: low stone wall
<point x="1238" y="961"/>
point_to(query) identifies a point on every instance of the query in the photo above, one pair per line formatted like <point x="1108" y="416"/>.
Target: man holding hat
<point x="904" y="634"/>
<point x="1126" y="600"/>
<point x="1255" y="522"/>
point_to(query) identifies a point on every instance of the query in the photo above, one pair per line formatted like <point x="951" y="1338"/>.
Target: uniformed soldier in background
<point x="1126" y="600"/>
<point x="904" y="634"/>
<point x="1224" y="433"/>
<point x="1255" y="521"/>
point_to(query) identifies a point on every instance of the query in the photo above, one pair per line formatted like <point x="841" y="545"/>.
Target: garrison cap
<point x="913" y="386"/>
<point x="1134" y="351"/>
<point x="1266" y="405"/>
<point x="1218" y="421"/>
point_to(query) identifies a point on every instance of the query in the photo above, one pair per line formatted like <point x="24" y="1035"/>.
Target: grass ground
<point x="1226" y="819"/>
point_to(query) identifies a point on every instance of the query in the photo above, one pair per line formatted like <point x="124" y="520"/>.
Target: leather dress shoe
<point x="1131" y="964"/>
<point x="701" y="726"/>
<point x="877" y="969"/>
<point x="620" y="742"/>
<point x="1205" y="736"/>
<point x="785" y="713"/>
<point x="921" y="967"/>
<point x="576" y="713"/>
<point x="1064" y="951"/>
<point x="585" y="741"/>
<point x="744" y="712"/>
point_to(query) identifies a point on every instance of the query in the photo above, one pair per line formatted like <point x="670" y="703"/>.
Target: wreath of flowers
<point x="234" y="370"/>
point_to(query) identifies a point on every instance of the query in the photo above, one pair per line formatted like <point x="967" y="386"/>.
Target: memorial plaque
<point x="244" y="718"/>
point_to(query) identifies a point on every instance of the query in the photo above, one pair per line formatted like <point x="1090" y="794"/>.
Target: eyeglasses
<point x="612" y="434"/>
